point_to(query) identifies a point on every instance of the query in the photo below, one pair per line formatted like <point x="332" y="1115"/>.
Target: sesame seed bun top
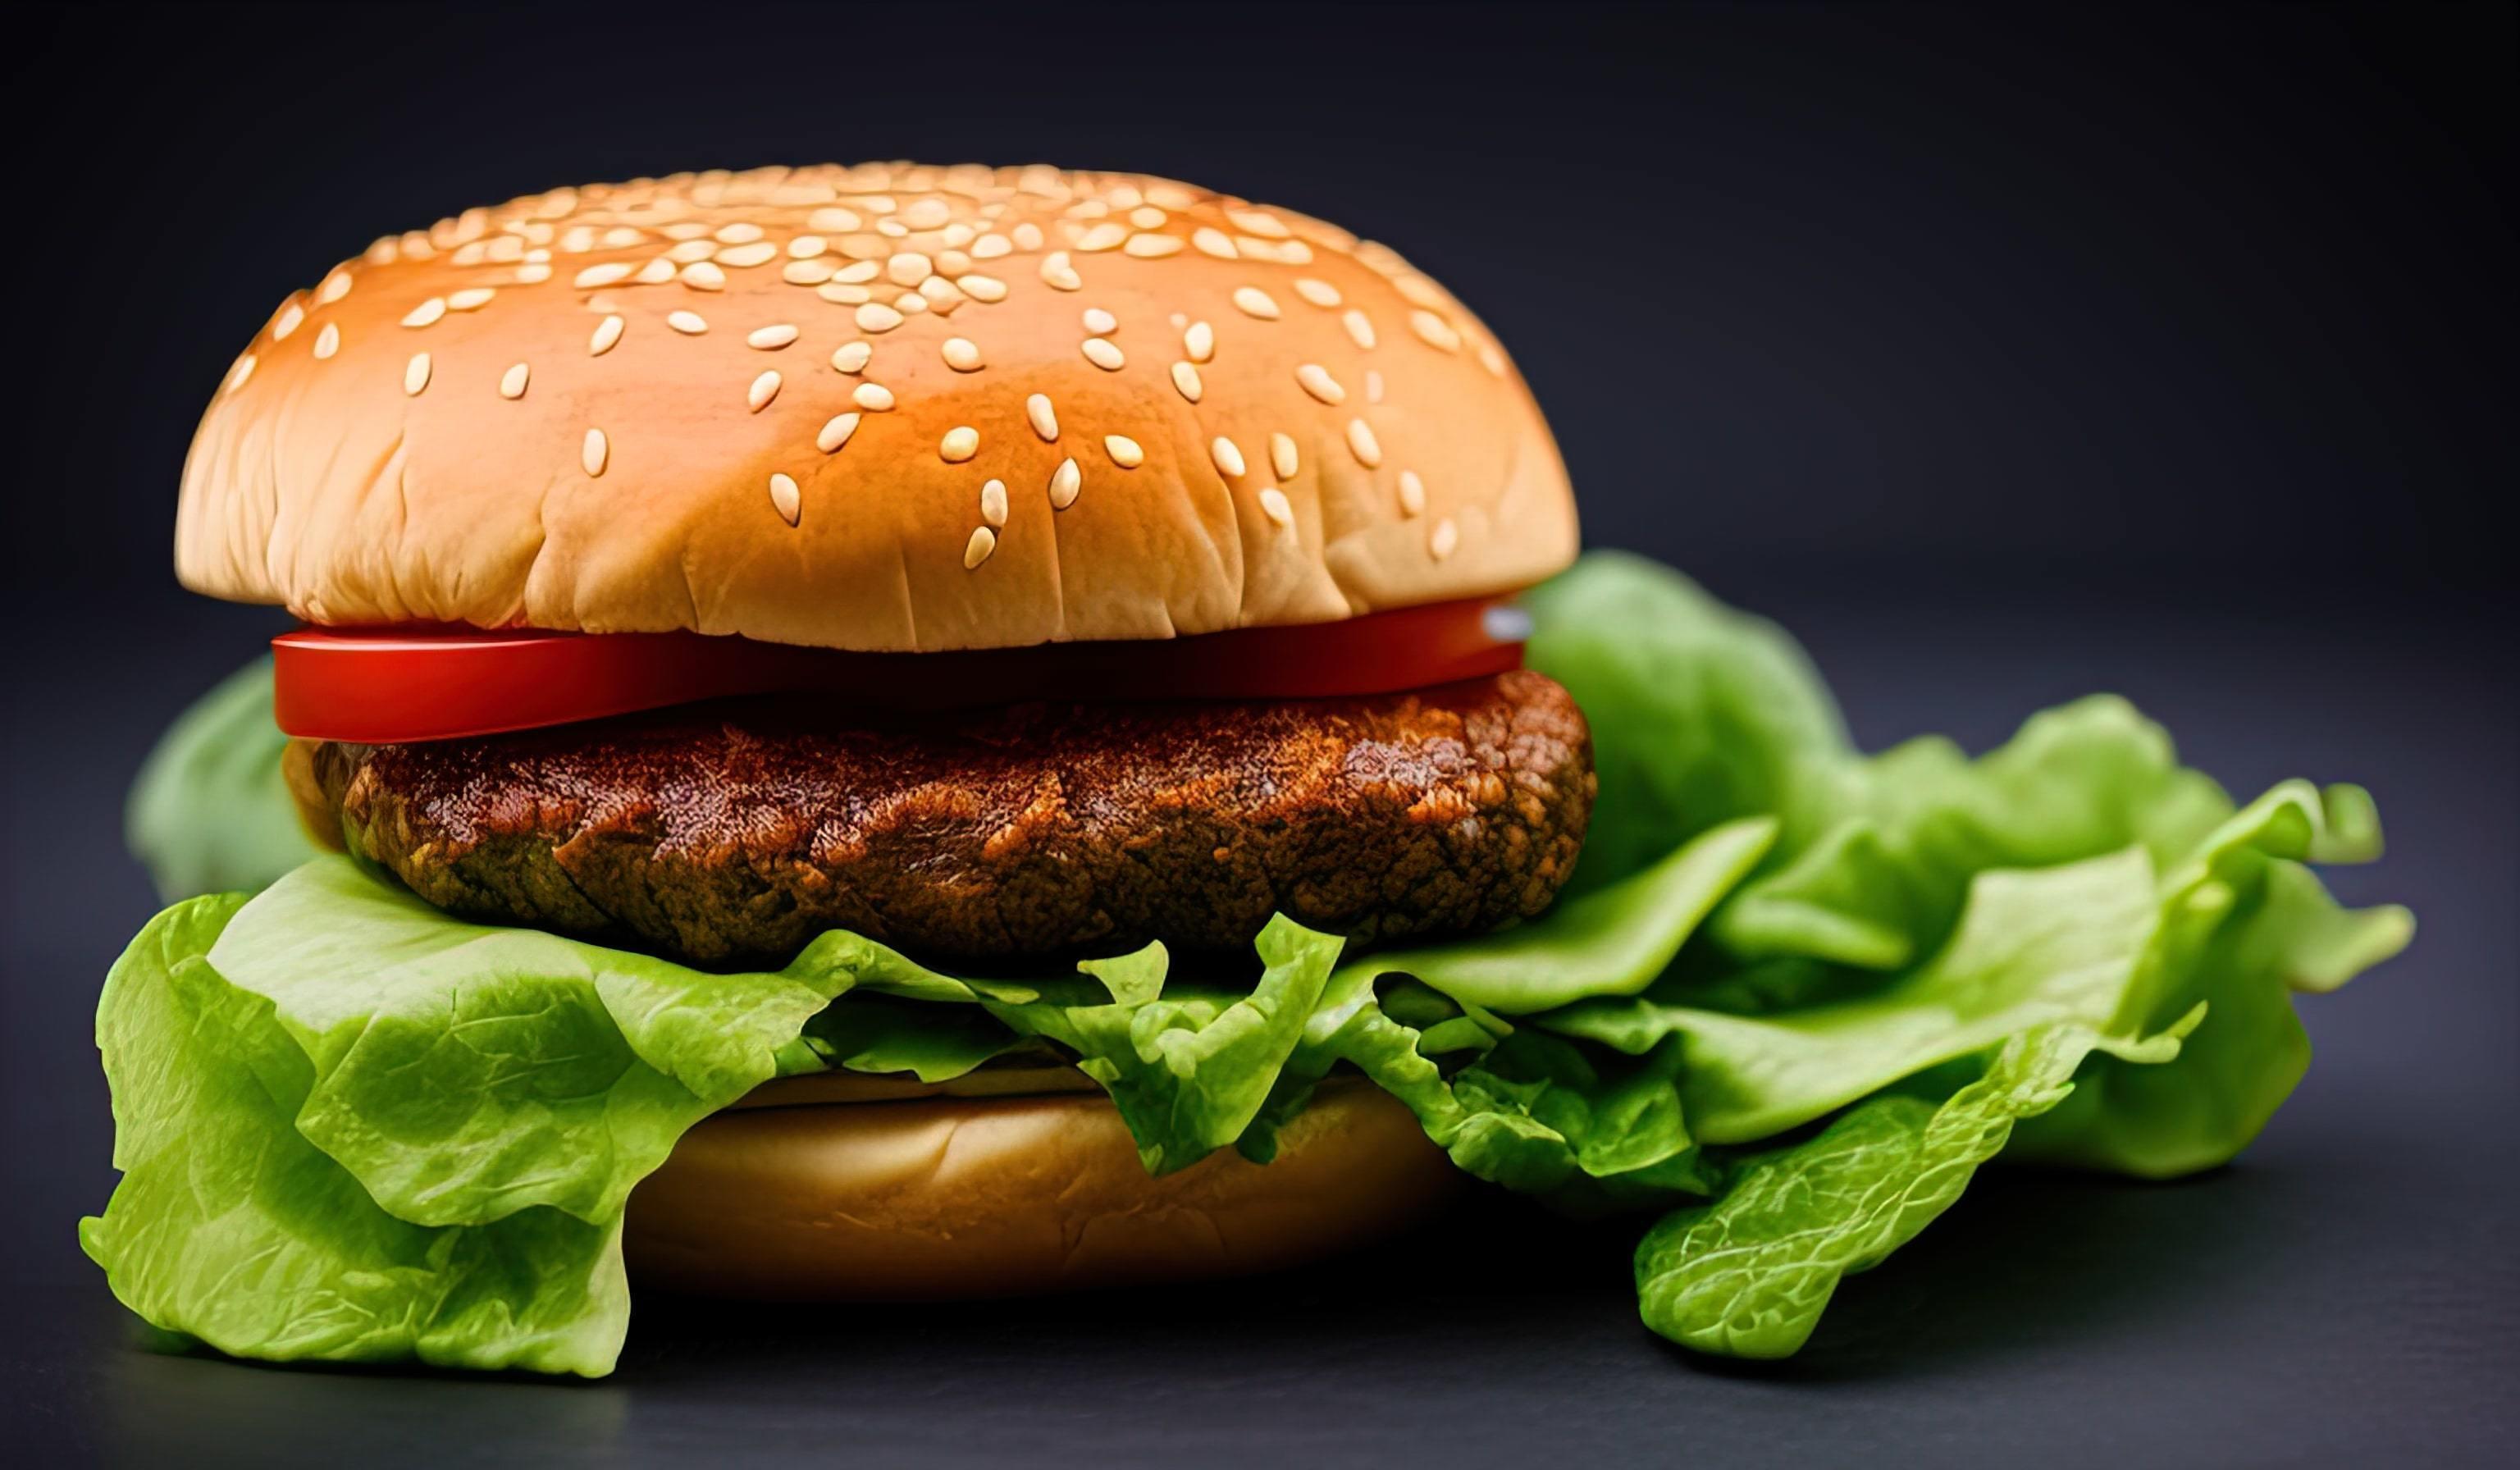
<point x="888" y="407"/>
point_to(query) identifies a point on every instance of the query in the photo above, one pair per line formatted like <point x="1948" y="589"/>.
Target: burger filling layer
<point x="737" y="831"/>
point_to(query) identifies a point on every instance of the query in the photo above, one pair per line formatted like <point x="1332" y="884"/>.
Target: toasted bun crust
<point x="892" y="407"/>
<point x="983" y="1197"/>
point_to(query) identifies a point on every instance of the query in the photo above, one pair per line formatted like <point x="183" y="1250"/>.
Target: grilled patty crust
<point x="736" y="832"/>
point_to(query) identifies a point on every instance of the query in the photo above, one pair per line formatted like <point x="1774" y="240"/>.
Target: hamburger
<point x="1009" y="568"/>
<point x="896" y="732"/>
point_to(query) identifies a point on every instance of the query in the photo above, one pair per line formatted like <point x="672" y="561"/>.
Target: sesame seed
<point x="1282" y="251"/>
<point x="595" y="452"/>
<point x="1413" y="493"/>
<point x="1045" y="421"/>
<point x="1199" y="341"/>
<point x="1373" y="386"/>
<point x="607" y="333"/>
<point x="691" y="252"/>
<point x="960" y="443"/>
<point x="1254" y="301"/>
<point x="1441" y="541"/>
<point x="511" y="383"/>
<point x="739" y="233"/>
<point x="805" y="272"/>
<point x="335" y="286"/>
<point x="1272" y="504"/>
<point x="961" y="354"/>
<point x="952" y="263"/>
<point x="1422" y="292"/>
<point x="1147" y="246"/>
<point x="841" y="293"/>
<point x="291" y="316"/>
<point x="910" y="303"/>
<point x="941" y="295"/>
<point x="688" y="322"/>
<point x="415" y="373"/>
<point x="851" y="357"/>
<point x="1103" y="354"/>
<point x="1211" y="240"/>
<point x="991" y="245"/>
<point x="1258" y="222"/>
<point x="1124" y="451"/>
<point x="835" y="432"/>
<point x="770" y="338"/>
<point x="327" y="341"/>
<point x="875" y="316"/>
<point x="858" y="272"/>
<point x="1228" y="456"/>
<point x="1281" y="456"/>
<point x="874" y="397"/>
<point x="702" y="274"/>
<point x="472" y="298"/>
<point x="1318" y="382"/>
<point x="1102" y="237"/>
<point x="983" y="288"/>
<point x="655" y="272"/>
<point x="1185" y="379"/>
<point x="836" y="221"/>
<point x="1148" y="217"/>
<point x="1057" y="273"/>
<point x="1320" y="292"/>
<point x="1027" y="236"/>
<point x="1492" y="359"/>
<point x="993" y="502"/>
<point x="745" y="257"/>
<point x="927" y="214"/>
<point x="807" y="246"/>
<point x="1100" y="323"/>
<point x="533" y="274"/>
<point x="909" y="268"/>
<point x="1434" y="331"/>
<point x="606" y="273"/>
<point x="1360" y="328"/>
<point x="764" y="388"/>
<point x="426" y="312"/>
<point x="1065" y="482"/>
<point x="245" y="370"/>
<point x="785" y="498"/>
<point x="1361" y="443"/>
<point x="976" y="550"/>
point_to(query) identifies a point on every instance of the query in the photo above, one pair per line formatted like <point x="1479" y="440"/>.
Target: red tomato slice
<point x="391" y="686"/>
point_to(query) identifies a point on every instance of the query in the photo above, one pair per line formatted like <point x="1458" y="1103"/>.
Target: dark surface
<point x="2006" y="354"/>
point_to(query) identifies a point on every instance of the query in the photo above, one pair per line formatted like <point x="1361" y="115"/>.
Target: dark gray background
<point x="2004" y="355"/>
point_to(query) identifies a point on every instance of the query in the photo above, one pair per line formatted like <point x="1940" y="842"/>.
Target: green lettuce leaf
<point x="1188" y="1071"/>
<point x="1611" y="940"/>
<point x="354" y="1128"/>
<point x="231" y="1227"/>
<point x="1701" y="714"/>
<point x="2056" y="944"/>
<point x="1748" y="1275"/>
<point x="883" y="1033"/>
<point x="208" y="812"/>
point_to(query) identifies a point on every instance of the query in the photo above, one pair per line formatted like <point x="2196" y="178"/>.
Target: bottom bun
<point x="983" y="1197"/>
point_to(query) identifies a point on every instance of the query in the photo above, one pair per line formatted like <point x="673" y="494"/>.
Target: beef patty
<point x="736" y="832"/>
